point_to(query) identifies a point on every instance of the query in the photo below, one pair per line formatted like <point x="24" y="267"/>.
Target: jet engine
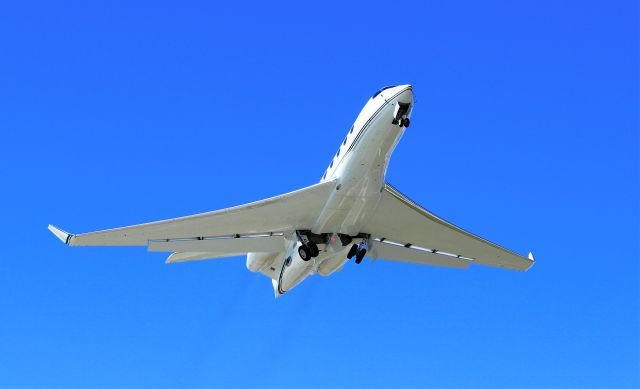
<point x="258" y="261"/>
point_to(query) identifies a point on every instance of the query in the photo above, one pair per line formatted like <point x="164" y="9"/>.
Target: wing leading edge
<point x="420" y="232"/>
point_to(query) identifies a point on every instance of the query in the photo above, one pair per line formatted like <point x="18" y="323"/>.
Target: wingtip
<point x="531" y="256"/>
<point x="64" y="236"/>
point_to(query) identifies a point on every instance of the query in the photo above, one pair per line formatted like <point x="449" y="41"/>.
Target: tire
<point x="360" y="255"/>
<point x="406" y="122"/>
<point x="313" y="248"/>
<point x="352" y="251"/>
<point x="305" y="253"/>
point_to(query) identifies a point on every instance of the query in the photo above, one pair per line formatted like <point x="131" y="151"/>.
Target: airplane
<point x="351" y="213"/>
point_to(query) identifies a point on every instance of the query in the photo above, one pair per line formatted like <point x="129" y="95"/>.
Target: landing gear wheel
<point x="360" y="255"/>
<point x="304" y="252"/>
<point x="405" y="122"/>
<point x="313" y="248"/>
<point x="352" y="251"/>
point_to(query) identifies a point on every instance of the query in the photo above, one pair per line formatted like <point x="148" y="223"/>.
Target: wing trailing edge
<point x="288" y="212"/>
<point x="400" y="219"/>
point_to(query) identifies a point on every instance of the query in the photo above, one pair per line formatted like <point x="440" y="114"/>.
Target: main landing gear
<point x="308" y="249"/>
<point x="359" y="251"/>
<point x="335" y="242"/>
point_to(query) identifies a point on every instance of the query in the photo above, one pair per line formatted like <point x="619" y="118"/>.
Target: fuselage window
<point x="330" y="166"/>
<point x="338" y="153"/>
<point x="345" y="141"/>
<point x="351" y="131"/>
<point x="324" y="176"/>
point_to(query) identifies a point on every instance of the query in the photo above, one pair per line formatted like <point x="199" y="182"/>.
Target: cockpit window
<point x="378" y="92"/>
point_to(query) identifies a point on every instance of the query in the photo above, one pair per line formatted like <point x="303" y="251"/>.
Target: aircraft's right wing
<point x="419" y="236"/>
<point x="253" y="227"/>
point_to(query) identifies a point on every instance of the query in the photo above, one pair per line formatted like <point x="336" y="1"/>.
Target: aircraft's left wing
<point x="236" y="229"/>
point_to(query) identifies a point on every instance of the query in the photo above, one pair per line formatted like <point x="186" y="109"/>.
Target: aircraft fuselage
<point x="359" y="169"/>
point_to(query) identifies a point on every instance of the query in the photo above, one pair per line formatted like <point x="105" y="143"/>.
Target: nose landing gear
<point x="400" y="115"/>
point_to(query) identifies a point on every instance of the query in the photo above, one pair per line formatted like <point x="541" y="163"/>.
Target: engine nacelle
<point x="258" y="261"/>
<point x="332" y="263"/>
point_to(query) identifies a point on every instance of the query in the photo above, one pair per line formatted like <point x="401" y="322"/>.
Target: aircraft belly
<point x="345" y="214"/>
<point x="360" y="181"/>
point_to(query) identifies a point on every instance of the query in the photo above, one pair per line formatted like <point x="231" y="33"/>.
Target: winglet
<point x="64" y="236"/>
<point x="531" y="256"/>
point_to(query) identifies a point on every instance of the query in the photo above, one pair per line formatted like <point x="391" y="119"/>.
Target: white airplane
<point x="351" y="213"/>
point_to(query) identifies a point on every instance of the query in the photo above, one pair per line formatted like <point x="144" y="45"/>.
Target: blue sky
<point x="525" y="131"/>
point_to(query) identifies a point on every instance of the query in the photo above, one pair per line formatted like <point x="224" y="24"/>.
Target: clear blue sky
<point x="525" y="131"/>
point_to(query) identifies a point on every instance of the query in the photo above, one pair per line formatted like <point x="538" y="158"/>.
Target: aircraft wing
<point x="251" y="227"/>
<point x="413" y="234"/>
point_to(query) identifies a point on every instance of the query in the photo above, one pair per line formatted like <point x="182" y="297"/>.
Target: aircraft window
<point x="378" y="92"/>
<point x="351" y="131"/>
<point x="338" y="153"/>
<point x="330" y="166"/>
<point x="345" y="141"/>
<point x="324" y="176"/>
